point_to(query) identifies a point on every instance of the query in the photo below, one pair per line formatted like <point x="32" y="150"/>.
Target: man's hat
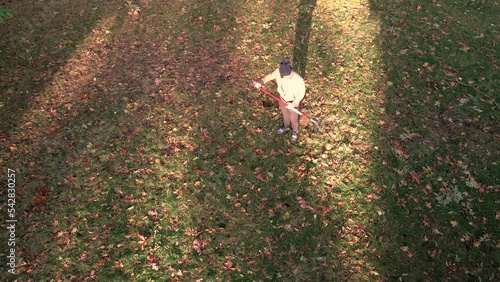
<point x="285" y="67"/>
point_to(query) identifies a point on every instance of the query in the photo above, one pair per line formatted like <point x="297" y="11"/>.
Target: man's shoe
<point x="283" y="129"/>
<point x="295" y="136"/>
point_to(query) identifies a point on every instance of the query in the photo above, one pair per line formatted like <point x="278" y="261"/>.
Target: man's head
<point x="285" y="67"/>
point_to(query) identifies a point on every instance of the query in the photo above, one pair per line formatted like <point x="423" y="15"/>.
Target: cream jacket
<point x="291" y="89"/>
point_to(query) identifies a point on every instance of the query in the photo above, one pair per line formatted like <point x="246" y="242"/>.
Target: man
<point x="292" y="89"/>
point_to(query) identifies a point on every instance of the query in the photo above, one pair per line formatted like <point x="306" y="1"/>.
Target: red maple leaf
<point x="415" y="177"/>
<point x="40" y="200"/>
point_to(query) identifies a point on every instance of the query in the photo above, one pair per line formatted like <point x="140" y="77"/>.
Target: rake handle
<point x="262" y="89"/>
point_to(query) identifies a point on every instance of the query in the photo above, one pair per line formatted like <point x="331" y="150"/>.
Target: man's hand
<point x="290" y="106"/>
<point x="257" y="85"/>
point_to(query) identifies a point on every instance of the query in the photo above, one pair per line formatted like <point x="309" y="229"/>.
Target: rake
<point x="315" y="121"/>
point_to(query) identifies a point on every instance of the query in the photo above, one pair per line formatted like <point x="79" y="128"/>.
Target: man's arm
<point x="266" y="79"/>
<point x="271" y="76"/>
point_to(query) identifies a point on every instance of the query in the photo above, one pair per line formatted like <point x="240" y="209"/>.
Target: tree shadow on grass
<point x="302" y="35"/>
<point x="85" y="141"/>
<point x="438" y="149"/>
<point x="243" y="209"/>
<point x="35" y="43"/>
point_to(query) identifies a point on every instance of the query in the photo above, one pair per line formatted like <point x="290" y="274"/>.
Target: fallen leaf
<point x="118" y="264"/>
<point x="142" y="241"/>
<point x="198" y="245"/>
<point x="153" y="215"/>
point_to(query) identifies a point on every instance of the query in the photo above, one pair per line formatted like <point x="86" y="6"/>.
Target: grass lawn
<point x="142" y="153"/>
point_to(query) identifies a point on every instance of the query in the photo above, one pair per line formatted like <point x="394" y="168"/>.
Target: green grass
<point x="143" y="153"/>
<point x="440" y="110"/>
